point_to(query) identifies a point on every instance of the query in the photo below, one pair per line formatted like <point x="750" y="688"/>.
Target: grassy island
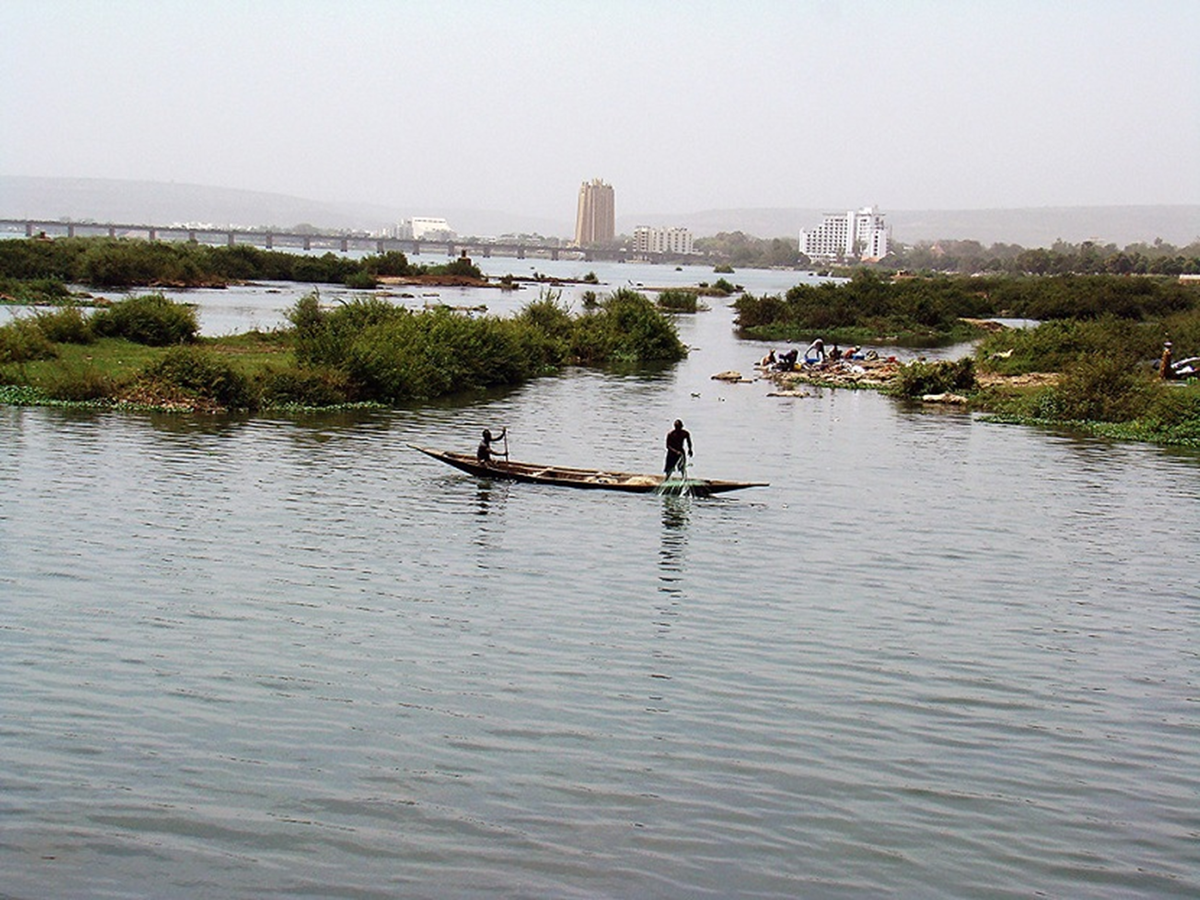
<point x="1092" y="362"/>
<point x="145" y="352"/>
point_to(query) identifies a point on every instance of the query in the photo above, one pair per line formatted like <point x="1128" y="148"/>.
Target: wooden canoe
<point x="595" y="479"/>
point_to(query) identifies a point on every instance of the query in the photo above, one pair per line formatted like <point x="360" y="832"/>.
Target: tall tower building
<point x="595" y="219"/>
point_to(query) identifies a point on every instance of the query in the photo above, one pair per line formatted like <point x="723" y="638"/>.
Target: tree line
<point x="29" y="268"/>
<point x="1061" y="258"/>
<point x="970" y="256"/>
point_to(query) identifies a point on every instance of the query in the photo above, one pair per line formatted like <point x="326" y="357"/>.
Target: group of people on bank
<point x="814" y="355"/>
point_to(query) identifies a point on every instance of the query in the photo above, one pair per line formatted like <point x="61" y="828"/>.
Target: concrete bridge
<point x="342" y="242"/>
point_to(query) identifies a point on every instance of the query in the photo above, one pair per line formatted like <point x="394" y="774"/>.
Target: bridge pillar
<point x="70" y="229"/>
<point x="229" y="238"/>
<point x="449" y="248"/>
<point x="487" y="251"/>
<point x="416" y="248"/>
<point x="378" y="247"/>
<point x="191" y="235"/>
<point x="270" y="241"/>
<point x="521" y="252"/>
<point x="112" y="231"/>
<point x="28" y="229"/>
<point x="345" y="245"/>
<point x="554" y="253"/>
<point x="307" y="242"/>
<point x="152" y="234"/>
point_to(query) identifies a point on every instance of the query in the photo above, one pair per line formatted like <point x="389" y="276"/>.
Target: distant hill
<point x="166" y="203"/>
<point x="159" y="203"/>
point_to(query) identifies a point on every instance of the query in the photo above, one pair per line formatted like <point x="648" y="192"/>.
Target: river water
<point x="290" y="656"/>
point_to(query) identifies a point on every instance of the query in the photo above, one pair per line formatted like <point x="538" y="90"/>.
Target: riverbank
<point x="1126" y="406"/>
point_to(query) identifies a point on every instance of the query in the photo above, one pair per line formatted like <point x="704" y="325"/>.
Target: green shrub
<point x="1184" y="330"/>
<point x="1174" y="407"/>
<point x="678" y="300"/>
<point x="323" y="337"/>
<point x="314" y="387"/>
<point x="1054" y="345"/>
<point x="920" y="378"/>
<point x="462" y="267"/>
<point x="435" y="353"/>
<point x="627" y="328"/>
<point x="80" y="385"/>
<point x="548" y="329"/>
<point x="108" y="262"/>
<point x="21" y="340"/>
<point x="390" y="354"/>
<point x="361" y="280"/>
<point x="38" y="291"/>
<point x="1100" y="388"/>
<point x="150" y="319"/>
<point x="201" y="375"/>
<point x="65" y="326"/>
<point x="393" y="263"/>
<point x="1092" y="297"/>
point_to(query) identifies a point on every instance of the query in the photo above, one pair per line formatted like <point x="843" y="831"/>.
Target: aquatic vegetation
<point x="81" y="384"/>
<point x="913" y="312"/>
<point x="308" y="388"/>
<point x="34" y="291"/>
<point x="361" y="280"/>
<point x="917" y="311"/>
<point x="122" y="262"/>
<point x="626" y="328"/>
<point x="918" y="378"/>
<point x="198" y="374"/>
<point x="393" y="354"/>
<point x="66" y="325"/>
<point x="22" y="341"/>
<point x="678" y="300"/>
<point x="150" y="319"/>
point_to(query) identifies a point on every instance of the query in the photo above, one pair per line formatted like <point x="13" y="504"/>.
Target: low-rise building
<point x="673" y="241"/>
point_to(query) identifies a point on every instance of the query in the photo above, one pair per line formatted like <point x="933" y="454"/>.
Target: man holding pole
<point x="484" y="452"/>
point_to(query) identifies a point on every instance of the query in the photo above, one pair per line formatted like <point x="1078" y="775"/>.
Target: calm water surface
<point x="290" y="656"/>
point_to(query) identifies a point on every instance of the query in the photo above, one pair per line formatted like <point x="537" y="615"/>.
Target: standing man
<point x="677" y="439"/>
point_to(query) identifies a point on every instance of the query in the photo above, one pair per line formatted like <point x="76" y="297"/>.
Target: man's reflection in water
<point x="676" y="511"/>
<point x="489" y="507"/>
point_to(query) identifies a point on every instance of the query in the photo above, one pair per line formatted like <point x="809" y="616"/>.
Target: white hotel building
<point x="850" y="235"/>
<point x="674" y="241"/>
<point x="425" y="228"/>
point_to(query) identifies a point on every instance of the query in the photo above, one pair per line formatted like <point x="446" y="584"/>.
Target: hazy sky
<point x="682" y="106"/>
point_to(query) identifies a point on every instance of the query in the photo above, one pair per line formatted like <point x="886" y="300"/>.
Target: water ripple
<point x="293" y="657"/>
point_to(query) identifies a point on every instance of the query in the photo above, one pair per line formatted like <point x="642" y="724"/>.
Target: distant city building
<point x="677" y="241"/>
<point x="851" y="235"/>
<point x="425" y="229"/>
<point x="595" y="218"/>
